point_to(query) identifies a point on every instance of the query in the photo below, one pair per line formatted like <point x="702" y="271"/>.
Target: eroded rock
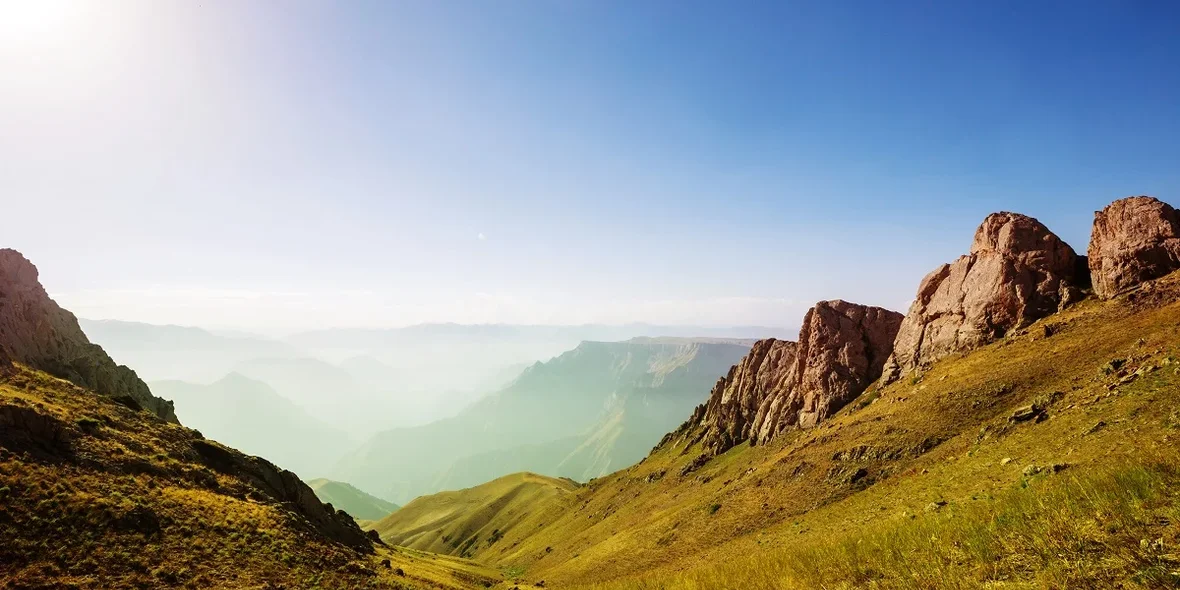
<point x="1017" y="272"/>
<point x="1134" y="240"/>
<point x="781" y="385"/>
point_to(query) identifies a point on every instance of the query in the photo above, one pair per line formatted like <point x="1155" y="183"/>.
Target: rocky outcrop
<point x="285" y="487"/>
<point x="35" y="331"/>
<point x="1134" y="240"/>
<point x="732" y="408"/>
<point x="1016" y="273"/>
<point x="781" y="385"/>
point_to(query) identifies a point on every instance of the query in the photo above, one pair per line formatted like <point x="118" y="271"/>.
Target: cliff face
<point x="1016" y="273"/>
<point x="1134" y="240"/>
<point x="782" y="385"/>
<point x="35" y="331"/>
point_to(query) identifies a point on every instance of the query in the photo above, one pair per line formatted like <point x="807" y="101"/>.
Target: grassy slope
<point x="944" y="437"/>
<point x="464" y="521"/>
<point x="123" y="503"/>
<point x="345" y="497"/>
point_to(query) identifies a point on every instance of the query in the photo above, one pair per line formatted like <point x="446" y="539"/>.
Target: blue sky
<point x="280" y="165"/>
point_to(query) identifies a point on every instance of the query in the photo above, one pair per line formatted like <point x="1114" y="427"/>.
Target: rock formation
<point x="1016" y="273"/>
<point x="780" y="385"/>
<point x="35" y="331"/>
<point x="1134" y="240"/>
<point x="286" y="487"/>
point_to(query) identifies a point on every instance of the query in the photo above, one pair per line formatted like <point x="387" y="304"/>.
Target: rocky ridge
<point x="37" y="332"/>
<point x="781" y="385"/>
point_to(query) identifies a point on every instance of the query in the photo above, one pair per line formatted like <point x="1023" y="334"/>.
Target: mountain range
<point x="1016" y="427"/>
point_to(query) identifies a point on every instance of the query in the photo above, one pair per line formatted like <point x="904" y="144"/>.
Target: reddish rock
<point x="35" y="331"/>
<point x="1016" y="273"/>
<point x="1134" y="240"/>
<point x="782" y="385"/>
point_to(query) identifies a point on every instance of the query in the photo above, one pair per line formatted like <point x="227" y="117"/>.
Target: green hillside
<point x="465" y="522"/>
<point x="1046" y="459"/>
<point x="356" y="503"/>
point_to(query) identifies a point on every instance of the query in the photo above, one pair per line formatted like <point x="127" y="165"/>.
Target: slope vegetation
<point x="356" y="503"/>
<point x="99" y="495"/>
<point x="466" y="521"/>
<point x="1035" y="426"/>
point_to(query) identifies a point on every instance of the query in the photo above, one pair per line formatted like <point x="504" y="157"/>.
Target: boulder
<point x="781" y="385"/>
<point x="35" y="331"/>
<point x="1016" y="272"/>
<point x="1134" y="240"/>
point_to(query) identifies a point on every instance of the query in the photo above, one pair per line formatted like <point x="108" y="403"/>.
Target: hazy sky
<point x="291" y="164"/>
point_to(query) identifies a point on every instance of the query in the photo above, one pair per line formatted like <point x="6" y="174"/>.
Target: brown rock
<point x="1016" y="273"/>
<point x="1134" y="240"/>
<point x="35" y="331"/>
<point x="781" y="385"/>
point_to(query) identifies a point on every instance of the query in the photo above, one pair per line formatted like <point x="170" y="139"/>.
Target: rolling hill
<point x="359" y="505"/>
<point x="456" y="522"/>
<point x="550" y="419"/>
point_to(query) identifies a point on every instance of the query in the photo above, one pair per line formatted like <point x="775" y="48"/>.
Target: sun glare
<point x="28" y="23"/>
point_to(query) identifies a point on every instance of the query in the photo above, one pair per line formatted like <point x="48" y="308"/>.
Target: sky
<point x="284" y="165"/>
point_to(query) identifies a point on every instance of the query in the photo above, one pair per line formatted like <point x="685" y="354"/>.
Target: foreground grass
<point x="1117" y="528"/>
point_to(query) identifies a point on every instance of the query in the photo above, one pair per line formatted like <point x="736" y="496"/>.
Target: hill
<point x="463" y="522"/>
<point x="250" y="415"/>
<point x="546" y="416"/>
<point x="359" y="505"/>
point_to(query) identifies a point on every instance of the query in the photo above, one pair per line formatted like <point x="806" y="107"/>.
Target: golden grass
<point x="942" y="437"/>
<point x="104" y="497"/>
<point x="1116" y="528"/>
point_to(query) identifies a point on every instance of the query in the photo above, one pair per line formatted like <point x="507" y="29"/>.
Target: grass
<point x="95" y="495"/>
<point x="1116" y="528"/>
<point x="465" y="522"/>
<point x="944" y="437"/>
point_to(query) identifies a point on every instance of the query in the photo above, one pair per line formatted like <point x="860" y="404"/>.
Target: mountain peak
<point x="35" y="331"/>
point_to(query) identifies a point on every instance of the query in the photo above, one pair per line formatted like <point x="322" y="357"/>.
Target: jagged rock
<point x="35" y="331"/>
<point x="1134" y="240"/>
<point x="1017" y="272"/>
<point x="732" y="408"/>
<point x="285" y="487"/>
<point x="781" y="385"/>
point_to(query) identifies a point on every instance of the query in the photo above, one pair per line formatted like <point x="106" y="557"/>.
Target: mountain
<point x="1047" y="438"/>
<point x="35" y="331"/>
<point x="179" y="352"/>
<point x="356" y="503"/>
<point x="249" y="415"/>
<point x="464" y="521"/>
<point x="550" y="420"/>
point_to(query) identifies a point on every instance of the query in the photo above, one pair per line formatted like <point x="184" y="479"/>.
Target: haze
<point x="285" y="166"/>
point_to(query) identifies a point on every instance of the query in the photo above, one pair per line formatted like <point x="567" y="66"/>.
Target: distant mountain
<point x="464" y="521"/>
<point x="359" y="505"/>
<point x="251" y="416"/>
<point x="593" y="409"/>
<point x="180" y="352"/>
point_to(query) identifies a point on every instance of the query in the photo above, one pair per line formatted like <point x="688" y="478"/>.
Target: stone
<point x="1016" y="272"/>
<point x="1031" y="470"/>
<point x="1134" y="240"/>
<point x="37" y="332"/>
<point x="782" y="385"/>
